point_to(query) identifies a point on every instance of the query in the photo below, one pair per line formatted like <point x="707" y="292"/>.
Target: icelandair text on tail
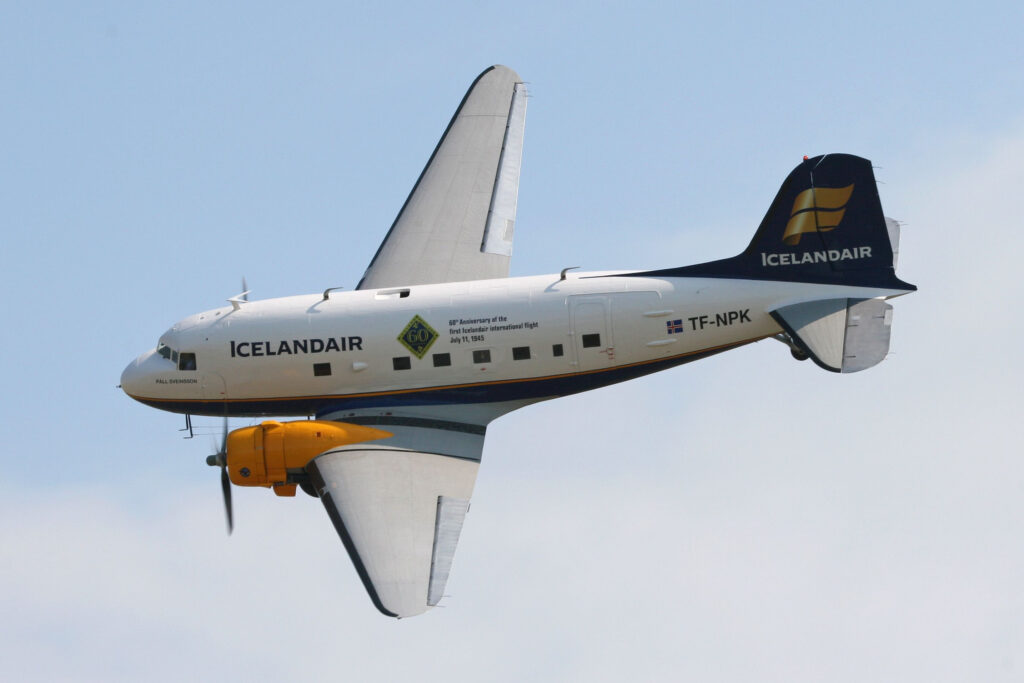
<point x="815" y="256"/>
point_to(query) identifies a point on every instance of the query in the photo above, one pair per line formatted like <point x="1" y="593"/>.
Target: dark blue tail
<point x="825" y="226"/>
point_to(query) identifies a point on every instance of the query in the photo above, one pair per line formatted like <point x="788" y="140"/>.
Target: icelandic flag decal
<point x="674" y="326"/>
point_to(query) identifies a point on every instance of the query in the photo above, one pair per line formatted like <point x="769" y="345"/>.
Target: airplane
<point x="395" y="382"/>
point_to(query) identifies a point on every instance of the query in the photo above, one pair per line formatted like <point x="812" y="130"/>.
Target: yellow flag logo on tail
<point x="816" y="209"/>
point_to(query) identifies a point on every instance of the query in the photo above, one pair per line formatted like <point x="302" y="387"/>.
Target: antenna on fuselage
<point x="566" y="270"/>
<point x="327" y="292"/>
<point x="237" y="300"/>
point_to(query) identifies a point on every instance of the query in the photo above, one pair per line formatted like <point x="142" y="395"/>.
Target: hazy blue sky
<point x="742" y="518"/>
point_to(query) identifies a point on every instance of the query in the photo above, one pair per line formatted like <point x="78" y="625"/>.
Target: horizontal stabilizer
<point x="840" y="335"/>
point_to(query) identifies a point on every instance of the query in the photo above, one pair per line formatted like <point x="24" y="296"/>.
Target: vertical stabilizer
<point x="825" y="226"/>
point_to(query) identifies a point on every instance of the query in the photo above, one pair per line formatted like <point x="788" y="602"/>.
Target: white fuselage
<point x="498" y="344"/>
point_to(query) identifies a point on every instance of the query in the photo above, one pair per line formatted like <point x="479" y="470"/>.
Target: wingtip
<point x="502" y="70"/>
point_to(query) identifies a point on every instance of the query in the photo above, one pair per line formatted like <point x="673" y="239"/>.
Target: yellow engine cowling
<point x="263" y="454"/>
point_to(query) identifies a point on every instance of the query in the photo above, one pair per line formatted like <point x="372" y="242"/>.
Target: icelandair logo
<point x="816" y="209"/>
<point x="822" y="256"/>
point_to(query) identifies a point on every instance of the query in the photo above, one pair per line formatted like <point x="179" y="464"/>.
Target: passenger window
<point x="556" y="350"/>
<point x="401" y="363"/>
<point x="442" y="360"/>
<point x="187" y="361"/>
<point x="591" y="340"/>
<point x="520" y="353"/>
<point x="321" y="369"/>
<point x="482" y="356"/>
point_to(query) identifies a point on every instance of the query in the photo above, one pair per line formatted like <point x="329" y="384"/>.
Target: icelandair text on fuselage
<point x="247" y="349"/>
<point x="815" y="256"/>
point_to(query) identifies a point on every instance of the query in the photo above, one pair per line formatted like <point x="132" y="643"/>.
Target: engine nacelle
<point x="263" y="455"/>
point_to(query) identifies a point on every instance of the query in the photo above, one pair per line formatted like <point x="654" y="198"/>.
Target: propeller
<point x="220" y="459"/>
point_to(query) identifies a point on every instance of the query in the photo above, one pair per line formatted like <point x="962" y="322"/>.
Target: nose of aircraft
<point x="137" y="378"/>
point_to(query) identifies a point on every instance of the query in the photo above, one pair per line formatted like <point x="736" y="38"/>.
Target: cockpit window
<point x="183" y="361"/>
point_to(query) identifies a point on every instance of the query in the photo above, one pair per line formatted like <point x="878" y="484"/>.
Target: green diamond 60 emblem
<point x="418" y="336"/>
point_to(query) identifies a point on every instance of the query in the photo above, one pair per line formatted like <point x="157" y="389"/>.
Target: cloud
<point x="746" y="517"/>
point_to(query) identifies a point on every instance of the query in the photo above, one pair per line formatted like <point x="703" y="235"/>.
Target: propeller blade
<point x="220" y="459"/>
<point x="225" y="485"/>
<point x="245" y="290"/>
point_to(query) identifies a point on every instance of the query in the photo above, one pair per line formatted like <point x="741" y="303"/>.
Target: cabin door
<point x="590" y="332"/>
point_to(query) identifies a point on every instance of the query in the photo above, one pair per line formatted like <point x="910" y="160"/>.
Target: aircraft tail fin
<point x="825" y="226"/>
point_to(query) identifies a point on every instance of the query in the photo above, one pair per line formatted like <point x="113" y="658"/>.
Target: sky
<point x="742" y="518"/>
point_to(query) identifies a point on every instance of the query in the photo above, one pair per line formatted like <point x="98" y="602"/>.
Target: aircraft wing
<point x="457" y="223"/>
<point x="398" y="505"/>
